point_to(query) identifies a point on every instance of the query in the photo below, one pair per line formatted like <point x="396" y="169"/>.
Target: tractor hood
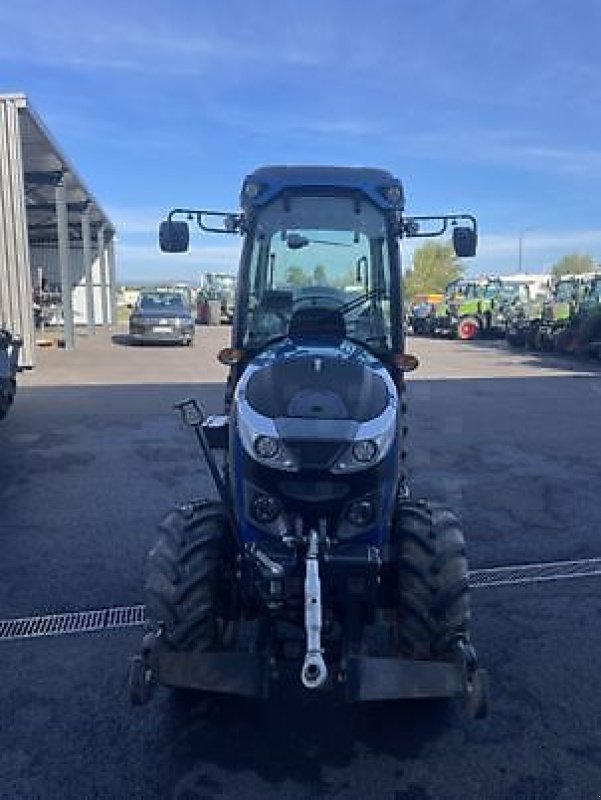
<point x="324" y="383"/>
<point x="321" y="395"/>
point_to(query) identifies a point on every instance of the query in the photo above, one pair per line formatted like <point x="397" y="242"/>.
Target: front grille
<point x="313" y="454"/>
<point x="313" y="491"/>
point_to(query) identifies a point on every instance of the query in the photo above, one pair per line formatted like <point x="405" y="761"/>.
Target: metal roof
<point x="45" y="203"/>
<point x="43" y="166"/>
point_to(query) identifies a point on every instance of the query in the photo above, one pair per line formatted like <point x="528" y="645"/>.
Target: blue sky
<point x="492" y="108"/>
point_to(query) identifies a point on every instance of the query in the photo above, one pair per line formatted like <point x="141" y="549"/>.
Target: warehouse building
<point x="55" y="240"/>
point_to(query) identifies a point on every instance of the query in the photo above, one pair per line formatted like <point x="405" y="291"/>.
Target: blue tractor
<point x="315" y="553"/>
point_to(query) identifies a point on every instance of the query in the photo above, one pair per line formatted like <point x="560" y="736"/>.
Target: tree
<point x="435" y="265"/>
<point x="319" y="276"/>
<point x="296" y="276"/>
<point x="573" y="264"/>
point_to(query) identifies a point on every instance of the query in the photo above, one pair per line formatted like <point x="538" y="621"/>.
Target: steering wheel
<point x="312" y="300"/>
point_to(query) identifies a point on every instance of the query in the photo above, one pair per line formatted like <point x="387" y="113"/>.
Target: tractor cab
<point x="566" y="290"/>
<point x="320" y="257"/>
<point x="318" y="265"/>
<point x="594" y="290"/>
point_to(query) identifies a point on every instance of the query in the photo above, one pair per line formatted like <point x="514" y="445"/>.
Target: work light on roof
<point x="252" y="189"/>
<point x="392" y="193"/>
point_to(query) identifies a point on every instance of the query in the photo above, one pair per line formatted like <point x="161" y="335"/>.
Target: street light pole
<point x="521" y="246"/>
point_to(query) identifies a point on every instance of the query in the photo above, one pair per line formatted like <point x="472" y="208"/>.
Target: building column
<point x="112" y="278"/>
<point x="87" y="265"/>
<point x="102" y="272"/>
<point x="62" y="226"/>
<point x="16" y="312"/>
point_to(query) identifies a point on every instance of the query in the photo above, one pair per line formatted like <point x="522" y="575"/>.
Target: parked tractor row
<point x="567" y="319"/>
<point x="470" y="309"/>
<point x="530" y="311"/>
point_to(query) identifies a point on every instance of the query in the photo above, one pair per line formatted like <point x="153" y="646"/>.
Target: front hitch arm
<point x="194" y="416"/>
<point x="314" y="672"/>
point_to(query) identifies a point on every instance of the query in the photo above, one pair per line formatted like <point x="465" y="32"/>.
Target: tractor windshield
<point x="565" y="291"/>
<point x="319" y="253"/>
<point x="489" y="291"/>
<point x="595" y="290"/>
<point x="508" y="292"/>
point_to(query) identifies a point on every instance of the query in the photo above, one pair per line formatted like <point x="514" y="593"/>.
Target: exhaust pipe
<point x="314" y="672"/>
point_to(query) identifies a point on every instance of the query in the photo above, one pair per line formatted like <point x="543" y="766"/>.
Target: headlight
<point x="266" y="446"/>
<point x="361" y="513"/>
<point x="365" y="451"/>
<point x="264" y="508"/>
<point x="252" y="189"/>
<point x="260" y="439"/>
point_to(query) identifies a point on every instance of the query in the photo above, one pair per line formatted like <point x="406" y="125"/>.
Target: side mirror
<point x="174" y="237"/>
<point x="361" y="262"/>
<point x="465" y="241"/>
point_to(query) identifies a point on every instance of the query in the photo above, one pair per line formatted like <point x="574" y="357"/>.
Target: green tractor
<point x="473" y="309"/>
<point x="524" y="312"/>
<point x="571" y="318"/>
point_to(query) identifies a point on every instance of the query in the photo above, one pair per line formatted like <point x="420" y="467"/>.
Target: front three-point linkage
<point x="314" y="672"/>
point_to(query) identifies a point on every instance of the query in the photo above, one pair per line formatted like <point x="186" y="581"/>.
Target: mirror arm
<point x="237" y="220"/>
<point x="410" y="226"/>
<point x="174" y="211"/>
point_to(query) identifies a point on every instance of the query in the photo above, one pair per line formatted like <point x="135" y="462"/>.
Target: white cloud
<point x="137" y="262"/>
<point x="282" y="123"/>
<point x="117" y="42"/>
<point x="136" y="221"/>
<point x="523" y="149"/>
<point x="495" y="245"/>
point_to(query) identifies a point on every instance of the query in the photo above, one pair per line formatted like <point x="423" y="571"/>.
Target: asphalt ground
<point x="92" y="456"/>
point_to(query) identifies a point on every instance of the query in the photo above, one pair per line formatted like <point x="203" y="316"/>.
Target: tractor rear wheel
<point x="531" y="338"/>
<point x="434" y="606"/>
<point x="468" y="328"/>
<point x="190" y="586"/>
<point x="515" y="339"/>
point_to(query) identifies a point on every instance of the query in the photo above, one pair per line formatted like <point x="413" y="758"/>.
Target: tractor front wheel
<point x="433" y="591"/>
<point x="190" y="583"/>
<point x="515" y="339"/>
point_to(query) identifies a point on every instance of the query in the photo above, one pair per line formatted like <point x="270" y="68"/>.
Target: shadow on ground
<point x="87" y="471"/>
<point x="325" y="735"/>
<point x="532" y="358"/>
<point x="125" y="340"/>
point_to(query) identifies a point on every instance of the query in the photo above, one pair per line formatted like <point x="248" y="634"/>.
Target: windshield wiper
<point x="351" y="305"/>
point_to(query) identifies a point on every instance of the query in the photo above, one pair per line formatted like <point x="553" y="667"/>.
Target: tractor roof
<point x="264" y="184"/>
<point x="578" y="277"/>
